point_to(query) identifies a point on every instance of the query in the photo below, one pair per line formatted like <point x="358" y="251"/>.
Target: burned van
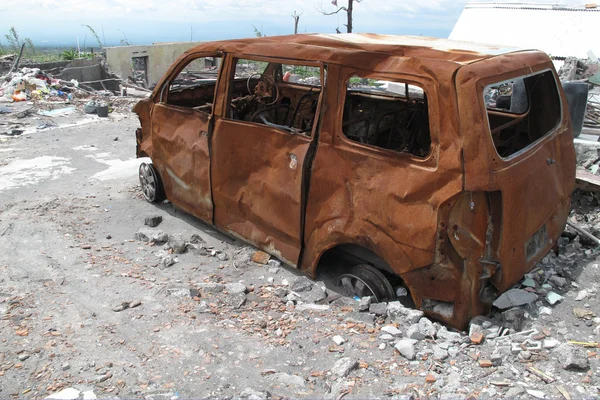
<point x="430" y="168"/>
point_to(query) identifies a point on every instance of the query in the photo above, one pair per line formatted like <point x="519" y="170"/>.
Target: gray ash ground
<point x="94" y="303"/>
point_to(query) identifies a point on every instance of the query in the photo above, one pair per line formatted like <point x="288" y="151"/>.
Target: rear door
<point x="181" y="122"/>
<point x="518" y="145"/>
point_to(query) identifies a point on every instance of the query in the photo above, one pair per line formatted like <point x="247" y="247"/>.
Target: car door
<point x="258" y="170"/>
<point x="181" y="123"/>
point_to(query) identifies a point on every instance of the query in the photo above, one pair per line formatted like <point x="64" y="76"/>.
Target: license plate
<point x="536" y="243"/>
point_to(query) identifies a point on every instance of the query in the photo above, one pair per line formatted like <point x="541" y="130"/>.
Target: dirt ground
<point x="89" y="307"/>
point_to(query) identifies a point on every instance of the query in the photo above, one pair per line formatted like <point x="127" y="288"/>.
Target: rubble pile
<point x="577" y="70"/>
<point x="31" y="92"/>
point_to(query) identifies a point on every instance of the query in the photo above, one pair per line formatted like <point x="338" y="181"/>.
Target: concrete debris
<point x="344" y="366"/>
<point x="553" y="298"/>
<point x="406" y="347"/>
<point x="151" y="235"/>
<point x="397" y="313"/>
<point x="514" y="298"/>
<point x="167" y="261"/>
<point x="153" y="221"/>
<point x="392" y="330"/>
<point x="571" y="357"/>
<point x="338" y="340"/>
<point x="583" y="294"/>
<point x="236" y="287"/>
<point x="514" y="318"/>
<point x="251" y="394"/>
<point x="177" y="244"/>
<point x="427" y="328"/>
<point x="261" y="257"/>
<point x="378" y="308"/>
<point x="288" y="380"/>
<point x="364" y="303"/>
<point x="414" y="332"/>
<point x="302" y="284"/>
<point x="65" y="394"/>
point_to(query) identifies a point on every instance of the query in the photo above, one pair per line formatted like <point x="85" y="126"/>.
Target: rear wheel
<point x="364" y="280"/>
<point x="152" y="187"/>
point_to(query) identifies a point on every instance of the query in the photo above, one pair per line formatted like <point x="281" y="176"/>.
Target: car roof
<point x="334" y="47"/>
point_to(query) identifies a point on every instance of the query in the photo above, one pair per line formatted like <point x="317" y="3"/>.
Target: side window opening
<point x="521" y="111"/>
<point x="194" y="87"/>
<point x="388" y="115"/>
<point x="281" y="96"/>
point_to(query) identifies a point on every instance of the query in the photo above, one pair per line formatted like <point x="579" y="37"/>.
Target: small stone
<point x="204" y="287"/>
<point x="109" y="237"/>
<point x="558" y="281"/>
<point x="281" y="292"/>
<point x="476" y="337"/>
<point x="65" y="366"/>
<point x="525" y="355"/>
<point x="545" y="311"/>
<point x="439" y="353"/>
<point x="273" y="270"/>
<point x="427" y="328"/>
<point x="403" y="315"/>
<point x="288" y="380"/>
<point x="135" y="303"/>
<point x="261" y="257"/>
<point x="550" y="343"/>
<point x="153" y="221"/>
<point x="251" y="394"/>
<point x="270" y="280"/>
<point x="167" y="261"/>
<point x="392" y="330"/>
<point x="581" y="295"/>
<point x="222" y="256"/>
<point x="382" y="346"/>
<point x="430" y="378"/>
<point x="528" y="282"/>
<point x="364" y="303"/>
<point x="236" y="287"/>
<point x="571" y="357"/>
<point x="65" y="394"/>
<point x="406" y="347"/>
<point x="151" y="235"/>
<point x="378" y="308"/>
<point x="445" y="334"/>
<point x="486" y="363"/>
<point x="583" y="313"/>
<point x="177" y="292"/>
<point x="414" y="333"/>
<point x="338" y="340"/>
<point x="23" y="356"/>
<point x="344" y="366"/>
<point x="514" y="298"/>
<point x="386" y="337"/>
<point x="122" y="307"/>
<point x="553" y="298"/>
<point x="274" y="264"/>
<point x="514" y="392"/>
<point x="236" y="300"/>
<point x="102" y="378"/>
<point x="302" y="284"/>
<point x="289" y="305"/>
<point x="515" y="317"/>
<point x="177" y="244"/>
<point x="538" y="394"/>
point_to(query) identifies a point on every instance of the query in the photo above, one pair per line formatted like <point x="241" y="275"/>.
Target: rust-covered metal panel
<point x="180" y="153"/>
<point x="458" y="226"/>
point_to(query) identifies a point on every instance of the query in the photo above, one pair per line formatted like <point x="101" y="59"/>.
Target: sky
<point x="61" y="22"/>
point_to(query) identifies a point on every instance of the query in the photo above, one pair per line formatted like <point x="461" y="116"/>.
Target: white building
<point x="557" y="29"/>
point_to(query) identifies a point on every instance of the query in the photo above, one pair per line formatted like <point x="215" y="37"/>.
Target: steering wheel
<point x="265" y="86"/>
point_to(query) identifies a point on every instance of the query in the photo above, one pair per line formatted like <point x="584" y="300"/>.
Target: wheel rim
<point x="148" y="182"/>
<point x="355" y="286"/>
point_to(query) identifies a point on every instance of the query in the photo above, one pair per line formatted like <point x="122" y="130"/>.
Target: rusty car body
<point x="443" y="167"/>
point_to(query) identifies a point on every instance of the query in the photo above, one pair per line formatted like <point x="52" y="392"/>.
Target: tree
<point x="347" y="9"/>
<point x="296" y="19"/>
<point x="16" y="42"/>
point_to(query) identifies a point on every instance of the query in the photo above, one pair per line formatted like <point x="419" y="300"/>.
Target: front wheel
<point x="364" y="280"/>
<point x="152" y="187"/>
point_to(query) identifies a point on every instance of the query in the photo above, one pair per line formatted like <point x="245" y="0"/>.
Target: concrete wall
<point x="160" y="57"/>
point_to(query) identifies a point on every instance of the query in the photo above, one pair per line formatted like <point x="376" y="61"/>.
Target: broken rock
<point x="177" y="244"/>
<point x="378" y="308"/>
<point x="153" y="221"/>
<point x="400" y="314"/>
<point x="514" y="298"/>
<point x="344" y="366"/>
<point x="364" y="303"/>
<point x="302" y="284"/>
<point x="427" y="328"/>
<point x="406" y="347"/>
<point x="151" y="235"/>
<point x="571" y="357"/>
<point x="251" y="394"/>
<point x="514" y="318"/>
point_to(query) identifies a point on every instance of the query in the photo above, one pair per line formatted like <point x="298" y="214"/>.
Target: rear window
<point x="521" y="111"/>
